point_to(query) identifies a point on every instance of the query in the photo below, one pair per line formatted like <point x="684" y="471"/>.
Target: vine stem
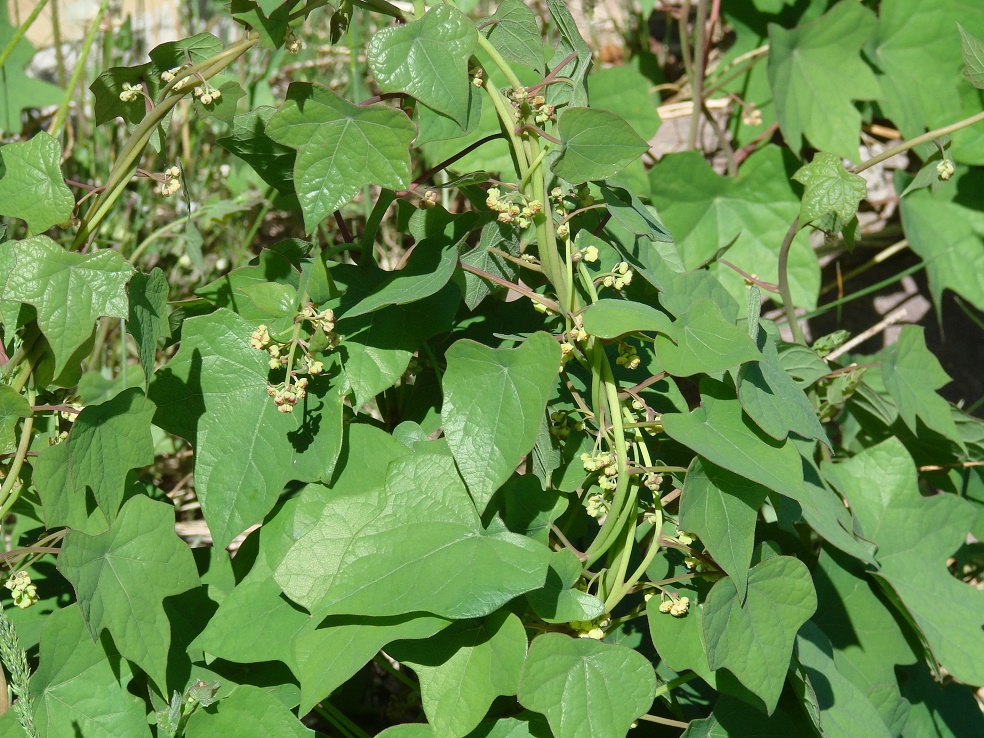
<point x="697" y="83"/>
<point x="912" y="143"/>
<point x="134" y="147"/>
<point x="674" y="683"/>
<point x="784" y="291"/>
<point x="56" y="125"/>
<point x="21" y="30"/>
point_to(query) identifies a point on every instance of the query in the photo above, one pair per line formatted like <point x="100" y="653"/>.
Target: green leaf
<point x="733" y="718"/>
<point x="585" y="688"/>
<point x="494" y="235"/>
<point x="830" y="188"/>
<point x="248" y="712"/>
<point x="702" y="341"/>
<point x="973" y="56"/>
<point x="328" y="654"/>
<point x="680" y="641"/>
<point x="428" y="269"/>
<point x="609" y="318"/>
<point x="823" y="509"/>
<point x="773" y="400"/>
<point x="241" y="467"/>
<point x="721" y="433"/>
<point x="754" y="640"/>
<point x="78" y="688"/>
<point x="493" y="402"/>
<point x="122" y="576"/>
<point x="464" y="668"/>
<point x="377" y="347"/>
<point x="514" y="34"/>
<point x="625" y="92"/>
<point x="105" y="443"/>
<point x="13" y="407"/>
<point x="845" y="712"/>
<point x="917" y="48"/>
<point x="749" y="216"/>
<point x="912" y="374"/>
<point x="254" y="623"/>
<point x="18" y="91"/>
<point x="721" y="509"/>
<point x="250" y="142"/>
<point x="148" y="322"/>
<point x="419" y="528"/>
<point x="815" y="72"/>
<point x="341" y="147"/>
<point x="575" y="92"/>
<point x="32" y="187"/>
<point x="633" y="214"/>
<point x="558" y="601"/>
<point x="271" y="23"/>
<point x="945" y="231"/>
<point x="68" y="290"/>
<point x="595" y="145"/>
<point x="915" y="536"/>
<point x="868" y="654"/>
<point x="427" y="59"/>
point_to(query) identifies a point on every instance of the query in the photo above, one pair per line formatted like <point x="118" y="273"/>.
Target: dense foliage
<point x="488" y="383"/>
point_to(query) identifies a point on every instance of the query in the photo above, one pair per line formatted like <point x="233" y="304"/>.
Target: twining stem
<point x="56" y="125"/>
<point x="912" y="143"/>
<point x="674" y="683"/>
<point x="501" y="63"/>
<point x="784" y="291"/>
<point x="697" y="82"/>
<point x="134" y="147"/>
<point x="8" y="493"/>
<point x="21" y="30"/>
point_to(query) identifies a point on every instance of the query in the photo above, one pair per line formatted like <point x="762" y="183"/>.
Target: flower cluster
<point x="130" y="92"/>
<point x="286" y="396"/>
<point x="565" y="202"/>
<point x="535" y="106"/>
<point x="520" y="213"/>
<point x="945" y="169"/>
<point x="172" y="181"/>
<point x="591" y="628"/>
<point x="170" y="74"/>
<point x="620" y="277"/>
<point x="597" y="506"/>
<point x="291" y="42"/>
<point x="628" y="356"/>
<point x="429" y="200"/>
<point x="588" y="254"/>
<point x="25" y="594"/>
<point x="207" y="94"/>
<point x="606" y="464"/>
<point x="563" y="424"/>
<point x="685" y="538"/>
<point x="677" y="607"/>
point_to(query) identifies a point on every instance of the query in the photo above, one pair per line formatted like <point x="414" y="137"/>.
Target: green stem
<point x="674" y="683"/>
<point x="8" y="495"/>
<point x="134" y="147"/>
<point x="697" y="82"/>
<point x="56" y="125"/>
<point x="866" y="291"/>
<point x="784" y="291"/>
<point x="385" y="199"/>
<point x="19" y="33"/>
<point x="497" y="59"/>
<point x="912" y="143"/>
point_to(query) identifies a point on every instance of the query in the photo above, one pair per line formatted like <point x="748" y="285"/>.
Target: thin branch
<point x="784" y="291"/>
<point x="545" y="301"/>
<point x="343" y="229"/>
<point x="891" y="319"/>
<point x="540" y="132"/>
